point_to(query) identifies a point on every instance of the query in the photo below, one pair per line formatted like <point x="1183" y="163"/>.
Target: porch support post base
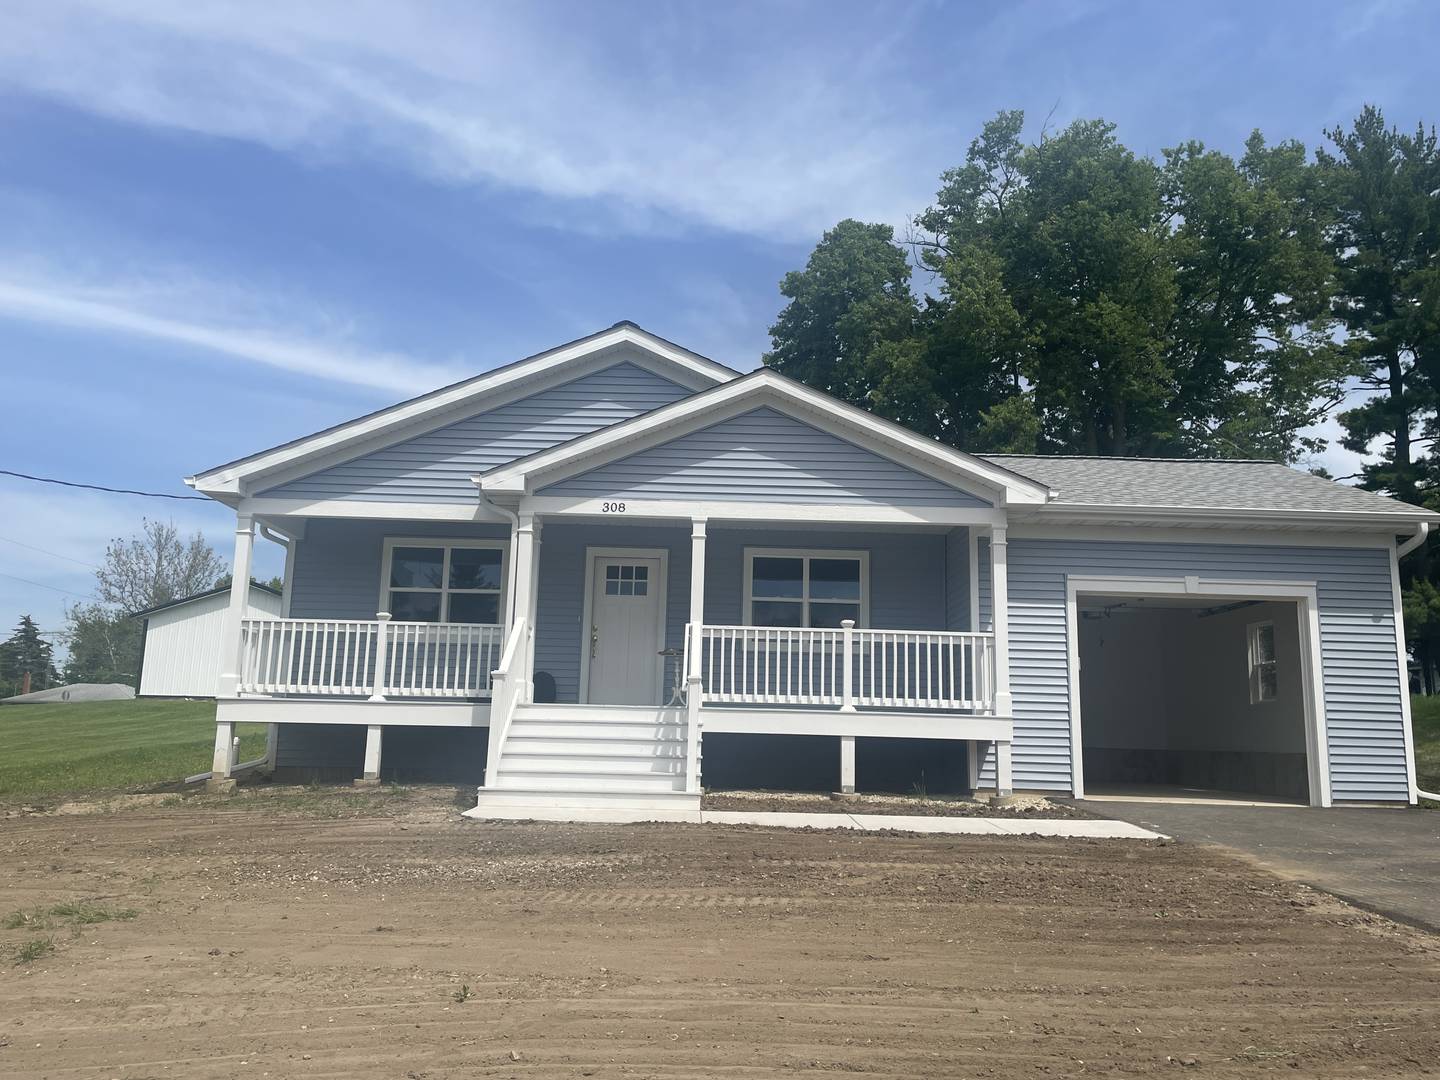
<point x="219" y="785"/>
<point x="847" y="764"/>
<point x="1004" y="783"/>
<point x="371" y="775"/>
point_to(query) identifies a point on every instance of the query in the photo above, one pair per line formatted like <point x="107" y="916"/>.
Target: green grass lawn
<point x="102" y="746"/>
<point x="1425" y="714"/>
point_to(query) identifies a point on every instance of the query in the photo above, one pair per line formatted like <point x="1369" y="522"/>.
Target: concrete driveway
<point x="1386" y="861"/>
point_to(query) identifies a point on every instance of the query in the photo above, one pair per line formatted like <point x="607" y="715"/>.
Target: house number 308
<point x="612" y="508"/>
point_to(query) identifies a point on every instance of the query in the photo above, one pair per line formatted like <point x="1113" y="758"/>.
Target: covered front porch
<point x="868" y="630"/>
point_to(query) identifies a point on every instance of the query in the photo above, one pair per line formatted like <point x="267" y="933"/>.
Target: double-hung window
<point x="453" y="581"/>
<point x="786" y="587"/>
<point x="1264" y="667"/>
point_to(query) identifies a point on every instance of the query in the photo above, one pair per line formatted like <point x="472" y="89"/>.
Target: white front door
<point x="627" y="628"/>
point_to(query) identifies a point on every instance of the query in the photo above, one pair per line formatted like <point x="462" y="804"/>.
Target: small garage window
<point x="1264" y="669"/>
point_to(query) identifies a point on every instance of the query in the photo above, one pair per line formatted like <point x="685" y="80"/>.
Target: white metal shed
<point x="181" y="655"/>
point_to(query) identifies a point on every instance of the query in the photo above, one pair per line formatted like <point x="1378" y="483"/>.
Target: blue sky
<point x="226" y="225"/>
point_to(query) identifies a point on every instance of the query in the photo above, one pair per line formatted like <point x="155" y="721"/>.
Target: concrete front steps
<point x="567" y="758"/>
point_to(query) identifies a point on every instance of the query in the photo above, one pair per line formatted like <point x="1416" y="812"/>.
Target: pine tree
<point x="25" y="651"/>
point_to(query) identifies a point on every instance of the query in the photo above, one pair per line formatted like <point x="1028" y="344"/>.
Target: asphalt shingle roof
<point x="1203" y="484"/>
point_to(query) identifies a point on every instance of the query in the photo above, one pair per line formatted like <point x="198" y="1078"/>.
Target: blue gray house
<point x="615" y="572"/>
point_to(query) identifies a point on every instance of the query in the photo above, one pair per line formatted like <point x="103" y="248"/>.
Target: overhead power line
<point x="101" y="487"/>
<point x="52" y="554"/>
<point x="42" y="585"/>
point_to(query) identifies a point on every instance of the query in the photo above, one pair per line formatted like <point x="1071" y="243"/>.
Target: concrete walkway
<point x="1090" y="828"/>
<point x="1383" y="860"/>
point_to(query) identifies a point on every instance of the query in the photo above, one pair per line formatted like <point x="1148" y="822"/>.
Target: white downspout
<point x="514" y="518"/>
<point x="1421" y="531"/>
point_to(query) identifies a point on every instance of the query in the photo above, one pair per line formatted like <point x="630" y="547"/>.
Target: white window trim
<point x="448" y="543"/>
<point x="1252" y="648"/>
<point x="751" y="554"/>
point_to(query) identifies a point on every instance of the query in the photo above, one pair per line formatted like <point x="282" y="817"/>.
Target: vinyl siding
<point x="1357" y="632"/>
<point x="437" y="466"/>
<point x="763" y="456"/>
<point x="337" y="565"/>
<point x="560" y="606"/>
<point x="957" y="580"/>
<point x="907" y="581"/>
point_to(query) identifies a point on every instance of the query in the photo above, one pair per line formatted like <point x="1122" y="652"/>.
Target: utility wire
<point x="52" y="554"/>
<point x="42" y="585"/>
<point x="101" y="487"/>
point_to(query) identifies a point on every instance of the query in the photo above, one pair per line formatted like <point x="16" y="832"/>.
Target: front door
<point x="627" y="628"/>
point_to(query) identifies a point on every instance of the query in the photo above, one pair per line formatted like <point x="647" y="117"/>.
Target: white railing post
<point x="506" y="687"/>
<point x="847" y="671"/>
<point x="382" y="644"/>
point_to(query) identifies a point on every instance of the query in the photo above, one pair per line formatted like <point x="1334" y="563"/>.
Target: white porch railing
<point x="512" y="688"/>
<point x="371" y="658"/>
<point x="845" y="668"/>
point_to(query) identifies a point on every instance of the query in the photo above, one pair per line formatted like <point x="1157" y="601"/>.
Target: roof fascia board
<point x="1221" y="516"/>
<point x="377" y="511"/>
<point x="1270" y="535"/>
<point x="445" y="406"/>
<point x="753" y="391"/>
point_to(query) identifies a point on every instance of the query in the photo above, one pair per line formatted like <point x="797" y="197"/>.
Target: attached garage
<point x="1206" y="693"/>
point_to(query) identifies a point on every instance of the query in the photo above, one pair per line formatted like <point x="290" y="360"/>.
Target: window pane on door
<point x="474" y="568"/>
<point x="835" y="579"/>
<point x="1265" y="643"/>
<point x="777" y="612"/>
<point x="415" y="606"/>
<point x="830" y="615"/>
<point x="417" y="568"/>
<point x="474" y="607"/>
<point x="772" y="577"/>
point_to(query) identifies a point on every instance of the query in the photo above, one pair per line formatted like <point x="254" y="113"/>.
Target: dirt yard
<point x="323" y="936"/>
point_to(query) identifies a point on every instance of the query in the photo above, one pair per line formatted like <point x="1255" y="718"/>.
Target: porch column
<point x="847" y="764"/>
<point x="525" y="593"/>
<point x="371" y="774"/>
<point x="235" y="613"/>
<point x="1000" y="606"/>
<point x="694" y="684"/>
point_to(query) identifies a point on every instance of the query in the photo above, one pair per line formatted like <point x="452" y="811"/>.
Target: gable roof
<point x="1109" y="486"/>
<point x="493" y="388"/>
<point x="763" y="387"/>
<point x="255" y="586"/>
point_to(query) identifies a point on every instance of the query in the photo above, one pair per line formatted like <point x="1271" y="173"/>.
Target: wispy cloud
<point x="562" y="101"/>
<point x="172" y="317"/>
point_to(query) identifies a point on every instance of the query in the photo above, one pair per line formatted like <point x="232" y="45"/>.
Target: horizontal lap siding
<point x="337" y="565"/>
<point x="1357" y="632"/>
<point x="907" y="572"/>
<point x="437" y="466"/>
<point x="763" y="456"/>
<point x="957" y="580"/>
<point x="560" y="606"/>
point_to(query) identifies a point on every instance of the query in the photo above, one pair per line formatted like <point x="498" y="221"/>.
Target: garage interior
<point x="1192" y="693"/>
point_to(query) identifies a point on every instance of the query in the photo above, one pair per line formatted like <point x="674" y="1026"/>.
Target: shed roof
<point x="254" y="585"/>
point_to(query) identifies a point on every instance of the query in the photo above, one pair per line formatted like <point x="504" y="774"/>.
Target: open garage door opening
<point x="1193" y="694"/>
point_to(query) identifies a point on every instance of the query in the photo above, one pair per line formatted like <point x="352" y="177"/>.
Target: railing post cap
<point x="383" y="616"/>
<point x="848" y="624"/>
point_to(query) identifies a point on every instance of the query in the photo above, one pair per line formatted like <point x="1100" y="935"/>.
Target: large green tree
<point x="1385" y="187"/>
<point x="1083" y="298"/>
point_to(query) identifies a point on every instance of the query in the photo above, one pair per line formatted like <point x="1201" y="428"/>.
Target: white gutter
<point x="1421" y="531"/>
